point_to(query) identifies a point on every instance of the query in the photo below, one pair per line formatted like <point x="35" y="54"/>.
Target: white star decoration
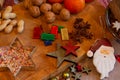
<point x="116" y="25"/>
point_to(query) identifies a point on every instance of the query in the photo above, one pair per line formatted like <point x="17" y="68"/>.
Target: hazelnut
<point x="34" y="11"/>
<point x="50" y="16"/>
<point x="37" y="2"/>
<point x="64" y="14"/>
<point x="45" y="7"/>
<point x="56" y="8"/>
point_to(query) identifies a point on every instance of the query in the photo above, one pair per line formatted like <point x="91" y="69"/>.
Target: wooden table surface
<point x="46" y="65"/>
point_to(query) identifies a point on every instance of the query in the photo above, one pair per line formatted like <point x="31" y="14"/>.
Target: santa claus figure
<point x="103" y="58"/>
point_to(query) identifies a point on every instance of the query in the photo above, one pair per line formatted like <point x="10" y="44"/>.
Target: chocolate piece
<point x="37" y="32"/>
<point x="54" y="30"/>
<point x="46" y="36"/>
<point x="47" y="43"/>
<point x="64" y="34"/>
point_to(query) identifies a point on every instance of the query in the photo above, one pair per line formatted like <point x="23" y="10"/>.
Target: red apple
<point x="87" y="1"/>
<point x="55" y="1"/>
<point x="74" y="6"/>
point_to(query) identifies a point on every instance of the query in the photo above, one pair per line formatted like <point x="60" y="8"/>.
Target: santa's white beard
<point x="104" y="63"/>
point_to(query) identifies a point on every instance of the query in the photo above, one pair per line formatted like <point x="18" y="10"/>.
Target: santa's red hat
<point x="97" y="44"/>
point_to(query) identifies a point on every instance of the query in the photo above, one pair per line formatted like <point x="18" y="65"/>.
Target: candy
<point x="47" y="43"/>
<point x="59" y="28"/>
<point x="37" y="32"/>
<point x="64" y="34"/>
<point x="54" y="30"/>
<point x="46" y="36"/>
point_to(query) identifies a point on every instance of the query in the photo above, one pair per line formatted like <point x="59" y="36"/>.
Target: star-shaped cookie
<point x="116" y="25"/>
<point x="16" y="56"/>
<point x="60" y="55"/>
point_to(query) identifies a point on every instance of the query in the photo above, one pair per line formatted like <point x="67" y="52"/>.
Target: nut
<point x="64" y="14"/>
<point x="37" y="2"/>
<point x="56" y="8"/>
<point x="34" y="11"/>
<point x="45" y="7"/>
<point x="50" y="16"/>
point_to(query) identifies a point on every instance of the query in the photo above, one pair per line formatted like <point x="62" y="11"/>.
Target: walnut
<point x="45" y="7"/>
<point x="56" y="8"/>
<point x="50" y="16"/>
<point x="37" y="2"/>
<point x="64" y="14"/>
<point x="27" y="3"/>
<point x="34" y="11"/>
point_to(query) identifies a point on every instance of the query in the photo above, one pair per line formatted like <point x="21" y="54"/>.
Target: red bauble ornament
<point x="55" y="1"/>
<point x="78" y="68"/>
<point x="74" y="6"/>
<point x="87" y="1"/>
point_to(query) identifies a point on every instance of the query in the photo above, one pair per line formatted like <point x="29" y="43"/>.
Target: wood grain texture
<point x="46" y="65"/>
<point x="115" y="8"/>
